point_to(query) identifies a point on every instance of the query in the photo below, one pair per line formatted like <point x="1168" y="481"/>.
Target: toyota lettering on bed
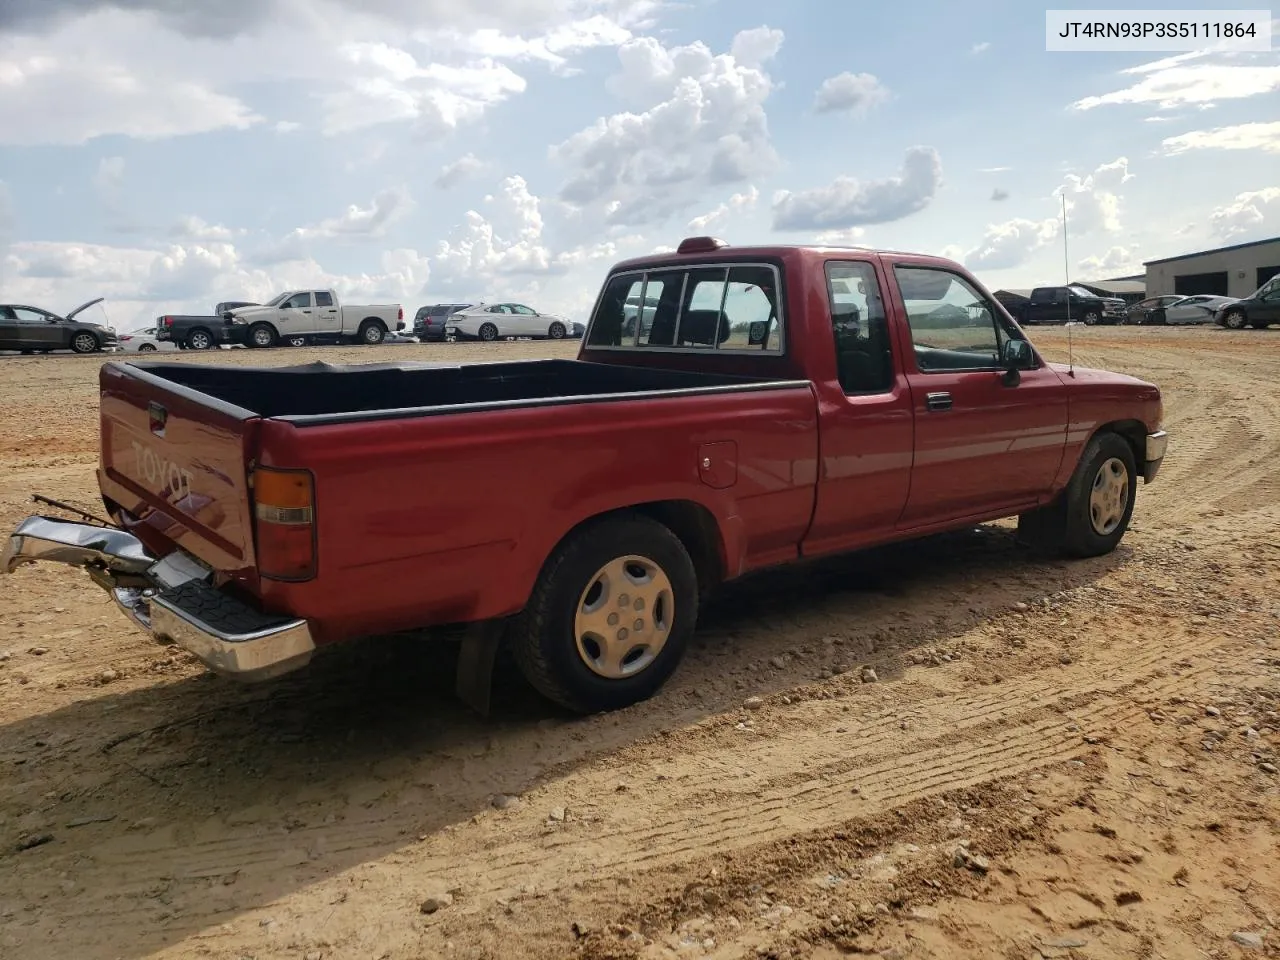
<point x="161" y="474"/>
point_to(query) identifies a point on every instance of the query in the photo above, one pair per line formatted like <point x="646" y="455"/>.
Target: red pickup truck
<point x="765" y="404"/>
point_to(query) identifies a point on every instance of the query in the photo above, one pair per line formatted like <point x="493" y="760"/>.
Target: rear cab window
<point x="731" y="307"/>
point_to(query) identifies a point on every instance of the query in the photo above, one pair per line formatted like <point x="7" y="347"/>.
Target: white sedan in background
<point x="497" y="321"/>
<point x="1196" y="309"/>
<point x="144" y="341"/>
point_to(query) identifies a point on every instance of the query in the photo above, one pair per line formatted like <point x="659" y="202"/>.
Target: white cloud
<point x="1173" y="82"/>
<point x="372" y="220"/>
<point x="386" y="84"/>
<point x="1254" y="213"/>
<point x="54" y="95"/>
<point x="850" y="93"/>
<point x="981" y="47"/>
<point x="1093" y="208"/>
<point x="703" y="124"/>
<point x="994" y="169"/>
<point x="851" y="237"/>
<point x="1264" y="137"/>
<point x="194" y="228"/>
<point x="1093" y="201"/>
<point x="1011" y="243"/>
<point x="121" y="68"/>
<point x="735" y="204"/>
<point x="849" y="202"/>
<point x="464" y="168"/>
<point x="1116" y="261"/>
<point x="999" y="195"/>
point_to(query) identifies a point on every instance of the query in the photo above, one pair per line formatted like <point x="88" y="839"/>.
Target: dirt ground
<point x="1055" y="760"/>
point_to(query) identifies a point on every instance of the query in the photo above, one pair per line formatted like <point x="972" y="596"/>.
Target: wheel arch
<point x="1132" y="431"/>
<point x="694" y="525"/>
<point x="378" y="320"/>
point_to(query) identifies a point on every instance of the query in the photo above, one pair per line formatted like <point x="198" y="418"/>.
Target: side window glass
<point x="864" y="358"/>
<point x="27" y="315"/>
<point x="618" y="310"/>
<point x="324" y="298"/>
<point x="751" y="310"/>
<point x="298" y="301"/>
<point x="952" y="326"/>
<point x="701" y="313"/>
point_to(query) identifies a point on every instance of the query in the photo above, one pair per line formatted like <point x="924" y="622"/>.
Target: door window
<point x="864" y="359"/>
<point x="324" y="298"/>
<point x="298" y="301"/>
<point x="28" y="315"/>
<point x="953" y="327"/>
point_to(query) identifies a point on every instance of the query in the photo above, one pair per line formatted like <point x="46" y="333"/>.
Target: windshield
<point x="1080" y="292"/>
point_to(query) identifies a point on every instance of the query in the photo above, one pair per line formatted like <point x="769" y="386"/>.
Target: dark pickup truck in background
<point x="199" y="332"/>
<point x="258" y="513"/>
<point x="1060" y="304"/>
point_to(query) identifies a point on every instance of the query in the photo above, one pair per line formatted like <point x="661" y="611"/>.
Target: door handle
<point x="306" y="311"/>
<point x="938" y="401"/>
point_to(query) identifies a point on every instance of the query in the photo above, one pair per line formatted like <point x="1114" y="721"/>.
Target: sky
<point x="169" y="154"/>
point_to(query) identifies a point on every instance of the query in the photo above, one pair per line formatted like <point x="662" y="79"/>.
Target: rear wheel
<point x="297" y="341"/>
<point x="1091" y="516"/>
<point x="488" y="332"/>
<point x="84" y="342"/>
<point x="147" y="348"/>
<point x="610" y="617"/>
<point x="262" y="335"/>
<point x="372" y="332"/>
<point x="200" y="340"/>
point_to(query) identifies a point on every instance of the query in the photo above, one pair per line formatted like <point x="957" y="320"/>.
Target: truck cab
<point x="1072" y="303"/>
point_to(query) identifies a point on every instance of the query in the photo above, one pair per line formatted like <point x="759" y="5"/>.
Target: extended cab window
<point x="735" y="307"/>
<point x="324" y="298"/>
<point x="864" y="361"/>
<point x="952" y="325"/>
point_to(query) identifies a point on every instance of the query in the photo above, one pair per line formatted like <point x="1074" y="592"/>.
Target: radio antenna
<point x="1066" y="278"/>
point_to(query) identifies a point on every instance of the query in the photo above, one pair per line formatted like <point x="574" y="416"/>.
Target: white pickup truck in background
<point x="311" y="316"/>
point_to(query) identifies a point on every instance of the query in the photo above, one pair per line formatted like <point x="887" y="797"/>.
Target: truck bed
<point x="329" y="393"/>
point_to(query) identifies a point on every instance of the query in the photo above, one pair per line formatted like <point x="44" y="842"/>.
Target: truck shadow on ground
<point x="199" y="799"/>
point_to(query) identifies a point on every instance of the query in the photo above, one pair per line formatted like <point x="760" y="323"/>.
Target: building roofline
<point x="1201" y="253"/>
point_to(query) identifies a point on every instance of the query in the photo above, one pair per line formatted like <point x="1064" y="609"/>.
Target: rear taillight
<point x="400" y="315"/>
<point x="167" y="321"/>
<point x="284" y="511"/>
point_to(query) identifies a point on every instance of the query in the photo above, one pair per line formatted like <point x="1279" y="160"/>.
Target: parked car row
<point x="1176" y="310"/>
<point x="491" y="321"/>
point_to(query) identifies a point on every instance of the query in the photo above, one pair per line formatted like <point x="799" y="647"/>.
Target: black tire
<point x="1091" y="318"/>
<point x="488" y="332"/>
<point x="556" y="331"/>
<point x="85" y="342"/>
<point x="147" y="348"/>
<point x="297" y="341"/>
<point x="1066" y="527"/>
<point x="200" y="339"/>
<point x="262" y="335"/>
<point x="372" y="333"/>
<point x="543" y="637"/>
<point x="1234" y="320"/>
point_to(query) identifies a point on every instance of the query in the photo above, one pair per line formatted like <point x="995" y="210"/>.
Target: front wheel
<point x="84" y="343"/>
<point x="1091" y="318"/>
<point x="262" y="335"/>
<point x="1234" y="320"/>
<point x="556" y="331"/>
<point x="147" y="348"/>
<point x="488" y="332"/>
<point x="297" y="341"/>
<point x="1091" y="516"/>
<point x="610" y="617"/>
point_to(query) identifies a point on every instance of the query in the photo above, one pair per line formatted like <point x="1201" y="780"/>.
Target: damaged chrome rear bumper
<point x="171" y="598"/>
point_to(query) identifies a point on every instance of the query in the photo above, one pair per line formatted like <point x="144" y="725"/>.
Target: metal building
<point x="1234" y="271"/>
